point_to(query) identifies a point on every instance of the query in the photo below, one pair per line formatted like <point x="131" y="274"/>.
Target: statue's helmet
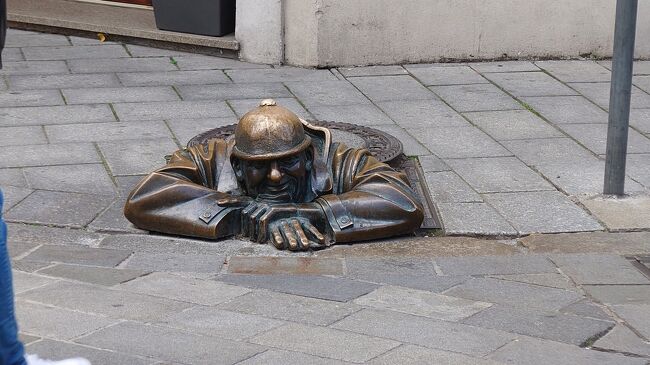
<point x="269" y="132"/>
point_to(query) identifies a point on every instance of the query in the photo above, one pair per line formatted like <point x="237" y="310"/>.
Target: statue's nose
<point x="274" y="173"/>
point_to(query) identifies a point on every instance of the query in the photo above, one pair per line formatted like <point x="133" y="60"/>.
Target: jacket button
<point x="206" y="215"/>
<point x="344" y="220"/>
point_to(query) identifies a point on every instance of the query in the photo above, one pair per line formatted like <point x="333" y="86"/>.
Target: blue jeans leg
<point x="11" y="350"/>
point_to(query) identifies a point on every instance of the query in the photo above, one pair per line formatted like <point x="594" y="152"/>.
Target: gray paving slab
<point x="459" y="142"/>
<point x="534" y="351"/>
<point x="24" y="282"/>
<point x="410" y="354"/>
<point x="494" y="265"/>
<point x="198" y="77"/>
<point x="204" y="292"/>
<point x="28" y="266"/>
<point x="125" y="184"/>
<point x="58" y="350"/>
<point x="594" y="137"/>
<point x="256" y="91"/>
<point x="567" y="109"/>
<point x="185" y="129"/>
<point x="34" y="68"/>
<point x="128" y="158"/>
<point x="65" y="114"/>
<point x="281" y="74"/>
<point x="542" y="212"/>
<point x="622" y="339"/>
<point x="587" y="308"/>
<point x="243" y="106"/>
<point x="78" y="255"/>
<point x="552" y="326"/>
<point x="362" y="114"/>
<point x="476" y="97"/>
<point x="119" y="94"/>
<point x="220" y="323"/>
<point x="87" y="178"/>
<point x="513" y="294"/>
<point x="12" y="54"/>
<point x="12" y="177"/>
<point x="642" y="82"/>
<point x="31" y="98"/>
<point x="281" y="357"/>
<point x="637" y="168"/>
<point x="290" y="307"/>
<point x="503" y="66"/>
<point x="74" y="52"/>
<point x="425" y="332"/>
<point x="112" y="220"/>
<point x="149" y="64"/>
<point x="411" y="146"/>
<point x="372" y="71"/>
<point x="598" y="92"/>
<point x="432" y="163"/>
<point x="114" y="304"/>
<point x="640" y="119"/>
<point x="100" y="132"/>
<point x="170" y="344"/>
<point x="152" y="244"/>
<point x="498" y="174"/>
<point x="599" y="269"/>
<point x="17" y="39"/>
<point x="201" y="62"/>
<point x="49" y="235"/>
<point x="327" y="93"/>
<point x="448" y="187"/>
<point x="473" y="218"/>
<point x="529" y="84"/>
<point x="320" y="287"/>
<point x="553" y="280"/>
<point x="27" y="339"/>
<point x="60" y="208"/>
<point x="144" y="51"/>
<point x="57" y="323"/>
<point x="512" y="124"/>
<point x="388" y="88"/>
<point x="446" y="75"/>
<point x="19" y="248"/>
<point x="327" y="342"/>
<point x="575" y="70"/>
<point x="619" y="294"/>
<point x="13" y="195"/>
<point x="431" y="113"/>
<point x="175" y="262"/>
<point x="636" y="316"/>
<point x="93" y="275"/>
<point x="421" y="303"/>
<point x="285" y="265"/>
<point x="60" y="81"/>
<point x="48" y="154"/>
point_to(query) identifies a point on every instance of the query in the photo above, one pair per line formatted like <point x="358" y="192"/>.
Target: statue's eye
<point x="258" y="164"/>
<point x="289" y="161"/>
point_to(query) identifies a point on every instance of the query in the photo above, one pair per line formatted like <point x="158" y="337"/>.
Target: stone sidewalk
<point x="509" y="149"/>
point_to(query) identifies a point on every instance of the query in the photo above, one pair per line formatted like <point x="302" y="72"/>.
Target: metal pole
<point x="619" y="97"/>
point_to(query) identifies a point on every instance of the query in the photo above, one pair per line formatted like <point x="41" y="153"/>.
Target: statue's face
<point x="280" y="180"/>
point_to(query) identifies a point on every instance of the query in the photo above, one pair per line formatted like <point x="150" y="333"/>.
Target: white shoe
<point x="35" y="360"/>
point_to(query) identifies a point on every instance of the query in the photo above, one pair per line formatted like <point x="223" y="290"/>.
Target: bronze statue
<point x="279" y="179"/>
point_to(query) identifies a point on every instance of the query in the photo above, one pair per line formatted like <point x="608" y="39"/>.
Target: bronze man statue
<point x="279" y="179"/>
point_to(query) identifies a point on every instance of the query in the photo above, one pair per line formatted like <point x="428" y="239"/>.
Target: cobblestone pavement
<point x="509" y="149"/>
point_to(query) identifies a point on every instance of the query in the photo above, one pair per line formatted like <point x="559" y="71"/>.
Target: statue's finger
<point x="303" y="241"/>
<point x="254" y="225"/>
<point x="263" y="224"/>
<point x="290" y="235"/>
<point x="244" y="218"/>
<point x="278" y="240"/>
<point x="320" y="238"/>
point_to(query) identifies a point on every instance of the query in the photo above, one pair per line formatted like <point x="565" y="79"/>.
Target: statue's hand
<point x="296" y="234"/>
<point x="234" y="201"/>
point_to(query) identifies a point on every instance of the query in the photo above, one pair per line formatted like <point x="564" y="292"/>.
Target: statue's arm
<point x="372" y="200"/>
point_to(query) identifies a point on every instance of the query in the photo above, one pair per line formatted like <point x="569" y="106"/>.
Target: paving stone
<point x="46" y="115"/>
<point x="50" y="349"/>
<point x="280" y="357"/>
<point x="552" y="326"/>
<point x="415" y="280"/>
<point x="220" y="323"/>
<point x="425" y="332"/>
<point x="576" y="71"/>
<point x="62" y="81"/>
<point x="27" y="339"/>
<point x="321" y="287"/>
<point x="93" y="275"/>
<point x="86" y="178"/>
<point x="542" y="212"/>
<point x="128" y="158"/>
<point x="155" y="64"/>
<point x="172" y="110"/>
<point x="552" y="280"/>
<point x="87" y="41"/>
<point x="154" y="245"/>
<point x="290" y="307"/>
<point x="204" y="292"/>
<point x="513" y="124"/>
<point x="24" y="282"/>
<point x="281" y="74"/>
<point x="48" y="154"/>
<point x="598" y="92"/>
<point x="20" y="39"/>
<point x="421" y="303"/>
<point x="599" y="269"/>
<point x="640" y="119"/>
<point x="567" y="109"/>
<point x="491" y="265"/>
<point x="619" y="294"/>
<point x="326" y="342"/>
<point x="120" y="94"/>
<point x="637" y="316"/>
<point x="431" y="163"/>
<point x="389" y="88"/>
<point x="12" y="54"/>
<point x="529" y="84"/>
<point x="243" y="106"/>
<point x="285" y="265"/>
<point x="476" y="97"/>
<point x="504" y="66"/>
<point x="50" y="235"/>
<point x="78" y="255"/>
<point x="410" y="354"/>
<point x="170" y="345"/>
<point x="201" y="62"/>
<point x="498" y="174"/>
<point x="199" y="77"/>
<point x="459" y="142"/>
<point x="642" y="82"/>
<point x="473" y="218"/>
<point x="186" y="129"/>
<point x="447" y="75"/>
<point x="77" y="52"/>
<point x="622" y="339"/>
<point x="594" y="137"/>
<point x="144" y="51"/>
<point x="113" y="220"/>
<point x="114" y="303"/>
<point x="448" y="187"/>
<point x="534" y="351"/>
<point x="30" y="98"/>
<point x="431" y="113"/>
<point x="549" y="151"/>
<point x="587" y="308"/>
<point x="362" y="114"/>
<point x="327" y="93"/>
<point x="28" y="266"/>
<point x="510" y="293"/>
<point x="99" y="132"/>
<point x="372" y="71"/>
<point x="12" y="177"/>
<point x="176" y="262"/>
<point x="256" y="91"/>
<point x="19" y="248"/>
<point x="13" y="195"/>
<point x="34" y="68"/>
<point x="411" y="146"/>
<point x="57" y="323"/>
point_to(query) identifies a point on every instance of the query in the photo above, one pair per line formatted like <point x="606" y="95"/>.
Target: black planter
<point x="205" y="17"/>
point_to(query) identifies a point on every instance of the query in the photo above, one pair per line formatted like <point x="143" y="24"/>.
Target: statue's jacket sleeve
<point x="368" y="199"/>
<point x="180" y="198"/>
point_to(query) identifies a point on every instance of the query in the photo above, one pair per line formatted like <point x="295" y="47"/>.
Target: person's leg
<point x="11" y="350"/>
